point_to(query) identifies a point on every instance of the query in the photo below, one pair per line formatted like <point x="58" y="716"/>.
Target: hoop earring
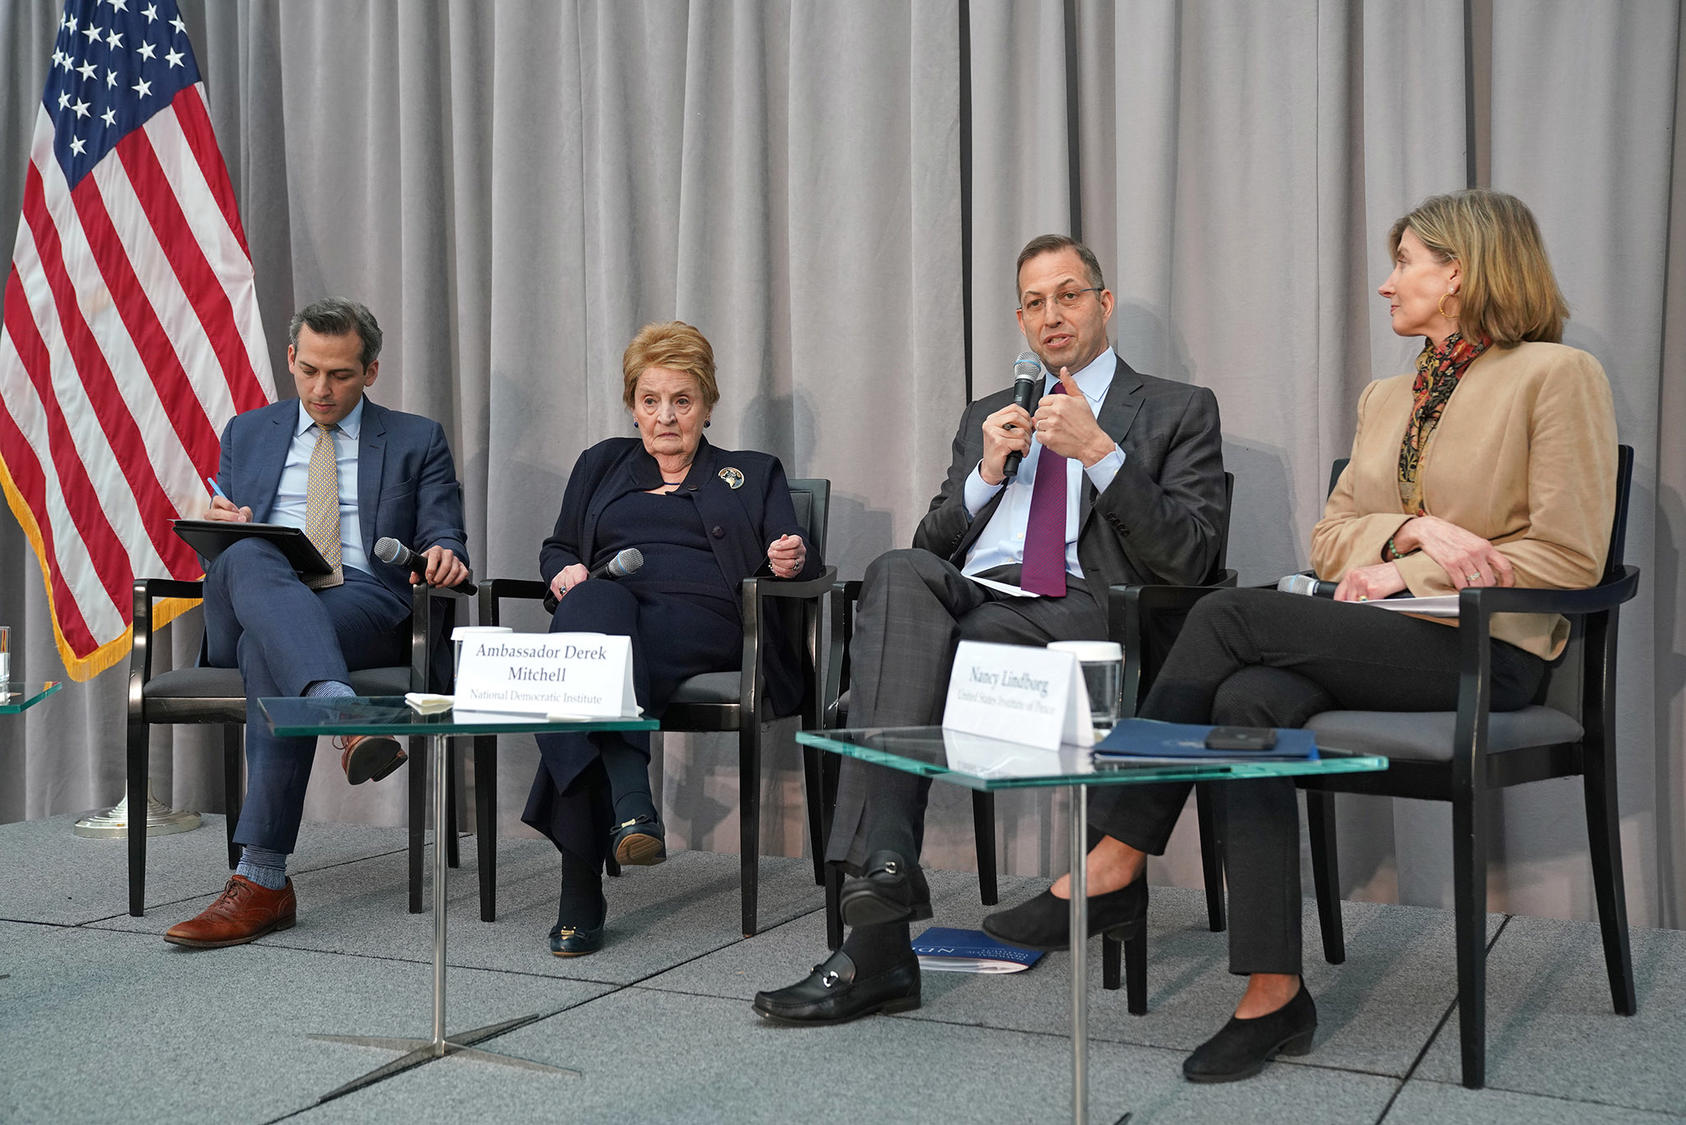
<point x="1440" y="306"/>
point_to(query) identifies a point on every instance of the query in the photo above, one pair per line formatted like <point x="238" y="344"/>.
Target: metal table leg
<point x="419" y="1051"/>
<point x="1079" y="921"/>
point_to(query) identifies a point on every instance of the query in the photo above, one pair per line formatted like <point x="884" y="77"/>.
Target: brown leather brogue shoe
<point x="369" y="757"/>
<point x="242" y="912"/>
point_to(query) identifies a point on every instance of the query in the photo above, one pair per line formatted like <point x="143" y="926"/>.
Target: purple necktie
<point x="1044" y="533"/>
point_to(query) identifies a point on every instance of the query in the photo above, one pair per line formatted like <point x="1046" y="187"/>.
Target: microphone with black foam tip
<point x="1027" y="378"/>
<point x="389" y="550"/>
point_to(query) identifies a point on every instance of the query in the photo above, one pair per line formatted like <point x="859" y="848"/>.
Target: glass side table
<point x="297" y="717"/>
<point x="991" y="764"/>
<point x="21" y="696"/>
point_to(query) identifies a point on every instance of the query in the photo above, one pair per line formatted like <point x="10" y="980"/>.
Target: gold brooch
<point x="732" y="477"/>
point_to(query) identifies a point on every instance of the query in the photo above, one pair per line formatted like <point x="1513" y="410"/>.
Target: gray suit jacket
<point x="1163" y="517"/>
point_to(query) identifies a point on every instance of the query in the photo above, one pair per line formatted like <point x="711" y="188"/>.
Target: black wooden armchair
<point x="216" y="695"/>
<point x="1461" y="756"/>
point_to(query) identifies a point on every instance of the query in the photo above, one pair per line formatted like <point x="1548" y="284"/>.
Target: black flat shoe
<point x="1045" y="921"/>
<point x="889" y="890"/>
<point x="1242" y="1048"/>
<point x="639" y="842"/>
<point x="576" y="941"/>
<point x="569" y="939"/>
<point x="835" y="992"/>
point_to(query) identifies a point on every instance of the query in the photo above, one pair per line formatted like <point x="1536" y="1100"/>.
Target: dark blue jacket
<point x="741" y="521"/>
<point x="406" y="481"/>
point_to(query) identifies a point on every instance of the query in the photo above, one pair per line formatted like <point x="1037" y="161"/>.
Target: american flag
<point x="131" y="330"/>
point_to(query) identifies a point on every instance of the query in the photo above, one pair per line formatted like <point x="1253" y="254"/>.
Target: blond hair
<point x="674" y="345"/>
<point x="1509" y="293"/>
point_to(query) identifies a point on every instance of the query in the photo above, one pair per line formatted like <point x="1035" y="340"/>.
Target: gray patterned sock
<point x="264" y="867"/>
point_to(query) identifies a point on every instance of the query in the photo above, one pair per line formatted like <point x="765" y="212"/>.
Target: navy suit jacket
<point x="406" y="480"/>
<point x="741" y="521"/>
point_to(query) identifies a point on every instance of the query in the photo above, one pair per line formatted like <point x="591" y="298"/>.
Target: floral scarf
<point x="1438" y="372"/>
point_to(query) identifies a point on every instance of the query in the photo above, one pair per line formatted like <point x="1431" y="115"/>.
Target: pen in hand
<point x="241" y="515"/>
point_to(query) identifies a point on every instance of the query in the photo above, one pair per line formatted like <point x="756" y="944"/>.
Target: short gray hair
<point x="335" y="316"/>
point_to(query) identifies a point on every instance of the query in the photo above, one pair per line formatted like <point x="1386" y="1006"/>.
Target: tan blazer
<point x="1524" y="455"/>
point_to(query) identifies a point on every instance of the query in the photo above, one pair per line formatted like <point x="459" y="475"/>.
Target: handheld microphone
<point x="1306" y="584"/>
<point x="625" y="562"/>
<point x="389" y="550"/>
<point x="1027" y="377"/>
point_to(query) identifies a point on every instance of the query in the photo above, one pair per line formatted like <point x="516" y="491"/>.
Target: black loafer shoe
<point x="888" y="891"/>
<point x="1045" y="921"/>
<point x="1242" y="1048"/>
<point x="835" y="993"/>
<point x="639" y="842"/>
<point x="575" y="941"/>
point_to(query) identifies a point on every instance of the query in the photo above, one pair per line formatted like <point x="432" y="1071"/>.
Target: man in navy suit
<point x="348" y="472"/>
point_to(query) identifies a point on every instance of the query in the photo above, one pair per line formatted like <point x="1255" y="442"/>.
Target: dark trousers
<point x="914" y="611"/>
<point x="284" y="636"/>
<point x="571" y="801"/>
<point x="1269" y="659"/>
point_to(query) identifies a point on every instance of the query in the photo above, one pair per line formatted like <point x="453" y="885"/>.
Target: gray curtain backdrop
<point x="835" y="193"/>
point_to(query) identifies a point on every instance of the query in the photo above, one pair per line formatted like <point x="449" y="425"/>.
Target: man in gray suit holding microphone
<point x="1121" y="482"/>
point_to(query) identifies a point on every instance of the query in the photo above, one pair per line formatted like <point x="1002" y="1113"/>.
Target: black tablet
<point x="212" y="537"/>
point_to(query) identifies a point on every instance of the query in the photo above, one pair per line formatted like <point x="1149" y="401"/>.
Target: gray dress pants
<point x="914" y="611"/>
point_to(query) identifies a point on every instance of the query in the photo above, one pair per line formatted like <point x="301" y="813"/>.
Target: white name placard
<point x="583" y="675"/>
<point x="1019" y="693"/>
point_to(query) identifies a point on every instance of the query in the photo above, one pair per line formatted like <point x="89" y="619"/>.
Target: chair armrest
<point x="756" y="590"/>
<point x="156" y="588"/>
<point x="495" y="590"/>
<point x="1476" y="606"/>
<point x="148" y="590"/>
<point x="1484" y="601"/>
<point x="844" y="595"/>
<point x="1128" y="611"/>
<point x="822" y="583"/>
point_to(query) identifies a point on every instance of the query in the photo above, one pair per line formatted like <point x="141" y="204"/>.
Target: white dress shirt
<point x="1002" y="539"/>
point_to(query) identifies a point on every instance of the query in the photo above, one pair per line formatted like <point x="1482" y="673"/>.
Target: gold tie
<point x="322" y="507"/>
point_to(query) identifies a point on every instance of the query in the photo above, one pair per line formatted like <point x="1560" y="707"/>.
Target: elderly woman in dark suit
<point x="1493" y="464"/>
<point x="705" y="519"/>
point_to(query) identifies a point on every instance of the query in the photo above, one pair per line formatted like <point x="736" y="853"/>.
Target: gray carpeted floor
<point x="100" y="1019"/>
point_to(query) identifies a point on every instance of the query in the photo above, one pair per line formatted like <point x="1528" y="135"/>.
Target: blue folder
<point x="1151" y="739"/>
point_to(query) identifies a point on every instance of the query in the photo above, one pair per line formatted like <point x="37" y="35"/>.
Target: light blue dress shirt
<point x="295" y="477"/>
<point x="1002" y="539"/>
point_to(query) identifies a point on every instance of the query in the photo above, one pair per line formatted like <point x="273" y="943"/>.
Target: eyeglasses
<point x="1067" y="299"/>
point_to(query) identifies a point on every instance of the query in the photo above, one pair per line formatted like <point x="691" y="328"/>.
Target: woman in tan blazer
<point x="1492" y="465"/>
